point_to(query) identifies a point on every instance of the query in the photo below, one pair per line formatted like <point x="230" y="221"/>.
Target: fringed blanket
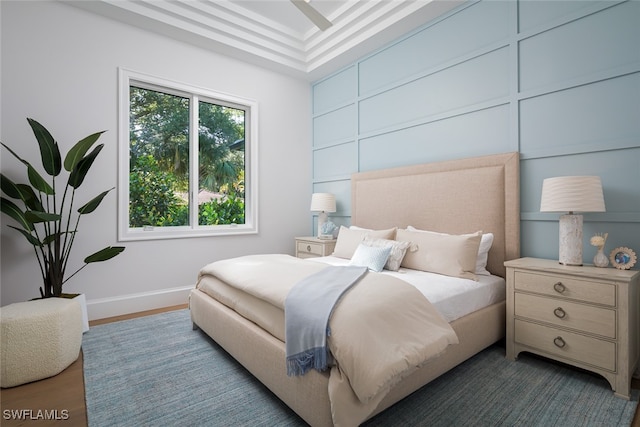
<point x="382" y="330"/>
<point x="307" y="310"/>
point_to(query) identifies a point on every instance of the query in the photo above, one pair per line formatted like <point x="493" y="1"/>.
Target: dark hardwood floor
<point x="62" y="397"/>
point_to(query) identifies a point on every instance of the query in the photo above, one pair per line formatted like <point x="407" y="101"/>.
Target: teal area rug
<point x="157" y="371"/>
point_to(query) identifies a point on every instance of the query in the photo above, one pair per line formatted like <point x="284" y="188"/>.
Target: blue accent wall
<point x="558" y="81"/>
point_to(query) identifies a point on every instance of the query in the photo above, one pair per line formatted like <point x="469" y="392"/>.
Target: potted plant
<point x="47" y="219"/>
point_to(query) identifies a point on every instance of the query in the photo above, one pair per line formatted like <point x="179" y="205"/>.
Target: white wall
<point x="59" y="66"/>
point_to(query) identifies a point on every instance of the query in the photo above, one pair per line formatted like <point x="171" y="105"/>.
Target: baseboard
<point x="102" y="308"/>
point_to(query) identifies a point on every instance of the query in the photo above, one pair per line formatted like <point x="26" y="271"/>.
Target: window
<point x="187" y="161"/>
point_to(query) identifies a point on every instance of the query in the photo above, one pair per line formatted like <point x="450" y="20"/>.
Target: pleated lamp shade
<point x="572" y="194"/>
<point x="323" y="202"/>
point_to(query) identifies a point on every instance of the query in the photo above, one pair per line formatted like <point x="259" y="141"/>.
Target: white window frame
<point x="128" y="77"/>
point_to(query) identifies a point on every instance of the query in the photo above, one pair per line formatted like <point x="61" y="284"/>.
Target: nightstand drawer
<point x="566" y="287"/>
<point x="591" y="351"/>
<point x="585" y="318"/>
<point x="309" y="248"/>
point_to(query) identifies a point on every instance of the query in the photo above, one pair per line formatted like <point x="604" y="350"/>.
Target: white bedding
<point x="453" y="297"/>
<point x="381" y="331"/>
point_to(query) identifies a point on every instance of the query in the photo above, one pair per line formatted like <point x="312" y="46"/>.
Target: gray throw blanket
<point x="307" y="310"/>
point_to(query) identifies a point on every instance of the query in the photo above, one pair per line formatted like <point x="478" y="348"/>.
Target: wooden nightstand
<point x="583" y="316"/>
<point x="309" y="247"/>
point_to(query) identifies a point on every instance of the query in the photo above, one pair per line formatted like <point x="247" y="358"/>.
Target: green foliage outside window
<point x="159" y="161"/>
<point x="152" y="196"/>
<point x="227" y="211"/>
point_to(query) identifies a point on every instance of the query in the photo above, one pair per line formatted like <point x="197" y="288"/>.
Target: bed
<point x="455" y="197"/>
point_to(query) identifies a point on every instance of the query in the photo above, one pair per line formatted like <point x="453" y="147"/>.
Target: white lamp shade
<point x="323" y="202"/>
<point x="572" y="194"/>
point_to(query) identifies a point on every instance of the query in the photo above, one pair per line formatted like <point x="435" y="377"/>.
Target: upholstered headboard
<point x="455" y="196"/>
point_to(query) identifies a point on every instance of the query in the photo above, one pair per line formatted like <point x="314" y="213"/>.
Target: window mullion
<point x="194" y="178"/>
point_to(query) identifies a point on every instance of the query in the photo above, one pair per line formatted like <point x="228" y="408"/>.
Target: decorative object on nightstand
<point x="329" y="230"/>
<point x="583" y="316"/>
<point x="310" y="247"/>
<point x="599" y="240"/>
<point x="623" y="258"/>
<point x="323" y="203"/>
<point x="571" y="194"/>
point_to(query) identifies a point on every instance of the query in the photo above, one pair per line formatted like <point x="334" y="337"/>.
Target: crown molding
<point x="359" y="27"/>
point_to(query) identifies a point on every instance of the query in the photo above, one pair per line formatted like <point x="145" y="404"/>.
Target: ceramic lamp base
<point x="322" y="218"/>
<point x="570" y="239"/>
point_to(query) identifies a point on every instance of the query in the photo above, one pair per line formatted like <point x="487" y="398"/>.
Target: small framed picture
<point x="623" y="258"/>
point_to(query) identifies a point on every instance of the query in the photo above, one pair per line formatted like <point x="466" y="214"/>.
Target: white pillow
<point x="483" y="251"/>
<point x="349" y="239"/>
<point x="483" y="254"/>
<point x="398" y="249"/>
<point x="371" y="257"/>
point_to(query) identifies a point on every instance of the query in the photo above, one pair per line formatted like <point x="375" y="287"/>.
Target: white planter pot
<point x="85" y="317"/>
<point x="40" y="338"/>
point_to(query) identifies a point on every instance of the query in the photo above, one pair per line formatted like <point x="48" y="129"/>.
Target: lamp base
<point x="570" y="240"/>
<point x="322" y="218"/>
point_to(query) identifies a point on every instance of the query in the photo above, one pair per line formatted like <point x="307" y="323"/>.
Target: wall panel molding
<point x="557" y="81"/>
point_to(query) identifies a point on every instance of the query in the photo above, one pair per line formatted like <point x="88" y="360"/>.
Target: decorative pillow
<point x="448" y="254"/>
<point x="349" y="239"/>
<point x="398" y="249"/>
<point x="483" y="251"/>
<point x="371" y="257"/>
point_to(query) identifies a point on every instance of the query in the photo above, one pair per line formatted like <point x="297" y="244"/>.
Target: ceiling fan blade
<point x="313" y="15"/>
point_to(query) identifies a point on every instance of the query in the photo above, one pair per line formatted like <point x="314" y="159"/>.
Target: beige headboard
<point x="455" y="196"/>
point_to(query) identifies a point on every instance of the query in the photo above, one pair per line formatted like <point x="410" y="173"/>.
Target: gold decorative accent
<point x="623" y="258"/>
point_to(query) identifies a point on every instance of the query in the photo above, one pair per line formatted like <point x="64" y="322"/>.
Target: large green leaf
<point x="51" y="238"/>
<point x="49" y="151"/>
<point x="78" y="151"/>
<point x="82" y="167"/>
<point x="15" y="154"/>
<point x="104" y="254"/>
<point x="28" y="236"/>
<point x="35" y="178"/>
<point x="38" y="182"/>
<point x="30" y="199"/>
<point x="93" y="203"/>
<point x="10" y="188"/>
<point x="35" y="216"/>
<point x="11" y="209"/>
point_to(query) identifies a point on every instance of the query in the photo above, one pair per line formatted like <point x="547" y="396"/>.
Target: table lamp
<point x="322" y="203"/>
<point x="571" y="194"/>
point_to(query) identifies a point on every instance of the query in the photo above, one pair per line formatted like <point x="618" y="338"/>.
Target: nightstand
<point x="583" y="316"/>
<point x="309" y="247"/>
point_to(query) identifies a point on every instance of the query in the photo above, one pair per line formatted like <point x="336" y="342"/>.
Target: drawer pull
<point x="560" y="313"/>
<point x="559" y="287"/>
<point x="308" y="248"/>
<point x="559" y="342"/>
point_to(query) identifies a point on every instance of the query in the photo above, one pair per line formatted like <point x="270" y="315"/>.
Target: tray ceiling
<point x="275" y="33"/>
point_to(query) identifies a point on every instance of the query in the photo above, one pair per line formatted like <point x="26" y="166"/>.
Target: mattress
<point x="453" y="297"/>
